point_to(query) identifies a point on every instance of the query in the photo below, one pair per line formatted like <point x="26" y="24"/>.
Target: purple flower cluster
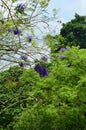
<point x="68" y="49"/>
<point x="64" y="49"/>
<point x="21" y="64"/>
<point x="2" y="21"/>
<point x="20" y="8"/>
<point x="45" y="58"/>
<point x="16" y="31"/>
<point x="24" y="57"/>
<point x="10" y="30"/>
<point x="62" y="57"/>
<point x="29" y="38"/>
<point x="41" y="70"/>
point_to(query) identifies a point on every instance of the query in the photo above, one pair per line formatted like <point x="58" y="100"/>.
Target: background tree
<point x="74" y="32"/>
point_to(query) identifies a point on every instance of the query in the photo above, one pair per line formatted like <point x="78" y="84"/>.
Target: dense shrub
<point x="55" y="102"/>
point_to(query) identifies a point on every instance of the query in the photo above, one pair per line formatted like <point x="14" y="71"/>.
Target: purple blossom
<point x="62" y="49"/>
<point x="44" y="71"/>
<point x="30" y="38"/>
<point x="24" y="57"/>
<point x="68" y="49"/>
<point x="21" y="64"/>
<point x="62" y="57"/>
<point x="16" y="31"/>
<point x="2" y="21"/>
<point x="20" y="8"/>
<point x="54" y="31"/>
<point x="41" y="70"/>
<point x="10" y="30"/>
<point x="37" y="68"/>
<point x="44" y="58"/>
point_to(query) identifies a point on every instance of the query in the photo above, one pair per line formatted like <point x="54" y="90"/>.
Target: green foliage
<point x="74" y="32"/>
<point x="55" y="102"/>
<point x="44" y="3"/>
<point x="55" y="42"/>
<point x="28" y="101"/>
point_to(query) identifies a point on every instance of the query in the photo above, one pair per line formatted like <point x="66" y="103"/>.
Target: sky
<point x="68" y="8"/>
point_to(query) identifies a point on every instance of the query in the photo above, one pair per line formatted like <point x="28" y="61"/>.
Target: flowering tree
<point x="19" y="23"/>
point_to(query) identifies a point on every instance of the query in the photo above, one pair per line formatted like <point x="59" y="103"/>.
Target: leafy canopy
<point x="57" y="101"/>
<point x="74" y="32"/>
